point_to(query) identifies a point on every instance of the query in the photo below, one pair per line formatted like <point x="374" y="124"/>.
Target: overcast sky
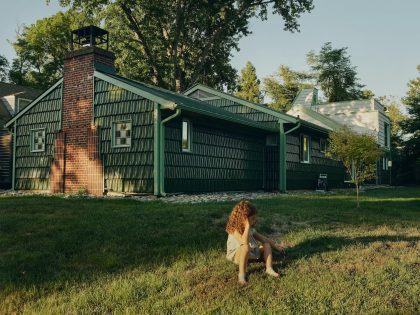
<point x="382" y="36"/>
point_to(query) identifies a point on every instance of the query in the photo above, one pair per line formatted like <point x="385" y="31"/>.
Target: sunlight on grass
<point x="121" y="256"/>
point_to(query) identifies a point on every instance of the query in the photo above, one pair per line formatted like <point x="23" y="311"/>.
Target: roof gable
<point x="261" y="108"/>
<point x="313" y="117"/>
<point x="33" y="103"/>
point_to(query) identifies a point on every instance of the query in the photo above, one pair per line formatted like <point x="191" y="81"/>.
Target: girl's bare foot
<point x="242" y="280"/>
<point x="271" y="272"/>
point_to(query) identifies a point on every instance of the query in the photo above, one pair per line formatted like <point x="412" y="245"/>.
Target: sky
<point x="382" y="36"/>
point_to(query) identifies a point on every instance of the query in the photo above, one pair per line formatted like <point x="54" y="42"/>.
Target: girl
<point x="242" y="244"/>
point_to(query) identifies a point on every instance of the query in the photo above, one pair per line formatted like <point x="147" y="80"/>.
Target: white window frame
<point x="32" y="135"/>
<point x="113" y="138"/>
<point x="301" y="153"/>
<point x="189" y="133"/>
<point x="320" y="146"/>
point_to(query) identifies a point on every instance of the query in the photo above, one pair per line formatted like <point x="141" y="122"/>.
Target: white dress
<point x="233" y="245"/>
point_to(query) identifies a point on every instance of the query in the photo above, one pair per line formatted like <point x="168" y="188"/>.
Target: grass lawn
<point x="88" y="256"/>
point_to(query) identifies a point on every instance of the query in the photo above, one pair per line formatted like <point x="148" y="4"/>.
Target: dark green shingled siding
<point x="305" y="175"/>
<point x="33" y="168"/>
<point x="125" y="169"/>
<point x="221" y="159"/>
<point x="245" y="111"/>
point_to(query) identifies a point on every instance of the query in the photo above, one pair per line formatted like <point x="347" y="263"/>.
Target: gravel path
<point x="190" y="198"/>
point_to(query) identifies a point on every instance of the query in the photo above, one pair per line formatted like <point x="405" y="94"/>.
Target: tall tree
<point x="335" y="74"/>
<point x="40" y="48"/>
<point x="249" y="84"/>
<point x="357" y="152"/>
<point x="283" y="86"/>
<point x="412" y="124"/>
<point x="176" y="43"/>
<point x="4" y="68"/>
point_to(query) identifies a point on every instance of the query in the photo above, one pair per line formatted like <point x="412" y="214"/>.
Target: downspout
<point x="282" y="154"/>
<point x="156" y="152"/>
<point x="14" y="157"/>
<point x="162" y="151"/>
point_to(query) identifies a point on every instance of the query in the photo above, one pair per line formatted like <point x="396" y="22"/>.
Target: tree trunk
<point x="357" y="195"/>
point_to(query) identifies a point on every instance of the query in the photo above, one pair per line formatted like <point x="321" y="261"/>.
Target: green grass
<point x="121" y="256"/>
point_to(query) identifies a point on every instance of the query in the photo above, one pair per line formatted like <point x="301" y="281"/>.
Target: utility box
<point x="322" y="183"/>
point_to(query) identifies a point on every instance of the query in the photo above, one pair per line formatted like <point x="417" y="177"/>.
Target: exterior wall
<point x="125" y="169"/>
<point x="33" y="168"/>
<point x="222" y="158"/>
<point x="305" y="175"/>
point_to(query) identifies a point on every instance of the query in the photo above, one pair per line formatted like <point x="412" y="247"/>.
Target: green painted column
<point x="282" y="159"/>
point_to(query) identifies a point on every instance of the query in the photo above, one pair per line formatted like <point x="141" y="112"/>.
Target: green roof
<point x="175" y="100"/>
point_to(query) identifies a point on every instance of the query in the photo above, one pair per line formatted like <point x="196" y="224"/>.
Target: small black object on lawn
<point x="321" y="185"/>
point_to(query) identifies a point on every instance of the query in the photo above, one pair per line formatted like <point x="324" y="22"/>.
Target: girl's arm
<point x="264" y="239"/>
<point x="244" y="238"/>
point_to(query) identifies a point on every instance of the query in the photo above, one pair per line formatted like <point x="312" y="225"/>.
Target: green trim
<point x="14" y="157"/>
<point x="162" y="150"/>
<point x="156" y="145"/>
<point x="286" y="118"/>
<point x="37" y="100"/>
<point x="128" y="87"/>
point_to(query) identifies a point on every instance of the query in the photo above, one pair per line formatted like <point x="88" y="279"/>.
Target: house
<point x="362" y="116"/>
<point x="12" y="99"/>
<point x="97" y="131"/>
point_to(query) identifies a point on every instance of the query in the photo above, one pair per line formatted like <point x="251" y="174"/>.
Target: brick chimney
<point x="77" y="165"/>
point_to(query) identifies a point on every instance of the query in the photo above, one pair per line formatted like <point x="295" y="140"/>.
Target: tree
<point x="249" y="84"/>
<point x="367" y="94"/>
<point x="335" y="74"/>
<point x="4" y="68"/>
<point x="412" y="124"/>
<point x="357" y="152"/>
<point x="283" y="86"/>
<point x="40" y="48"/>
<point x="177" y="43"/>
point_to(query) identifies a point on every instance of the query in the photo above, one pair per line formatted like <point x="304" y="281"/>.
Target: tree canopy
<point x="283" y="86"/>
<point x="412" y="124"/>
<point x="40" y="48"/>
<point x="4" y="69"/>
<point x="177" y="43"/>
<point x="335" y="74"/>
<point x="249" y="84"/>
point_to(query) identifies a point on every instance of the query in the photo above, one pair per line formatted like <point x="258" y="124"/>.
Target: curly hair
<point x="241" y="211"/>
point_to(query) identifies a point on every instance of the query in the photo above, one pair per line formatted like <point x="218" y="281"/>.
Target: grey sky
<point x="382" y="36"/>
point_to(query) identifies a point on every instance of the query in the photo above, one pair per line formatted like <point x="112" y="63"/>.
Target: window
<point x="386" y="135"/>
<point x="271" y="140"/>
<point x="121" y="134"/>
<point x="38" y="140"/>
<point x="385" y="163"/>
<point x="22" y="103"/>
<point x="322" y="145"/>
<point x="304" y="148"/>
<point x="186" y="135"/>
